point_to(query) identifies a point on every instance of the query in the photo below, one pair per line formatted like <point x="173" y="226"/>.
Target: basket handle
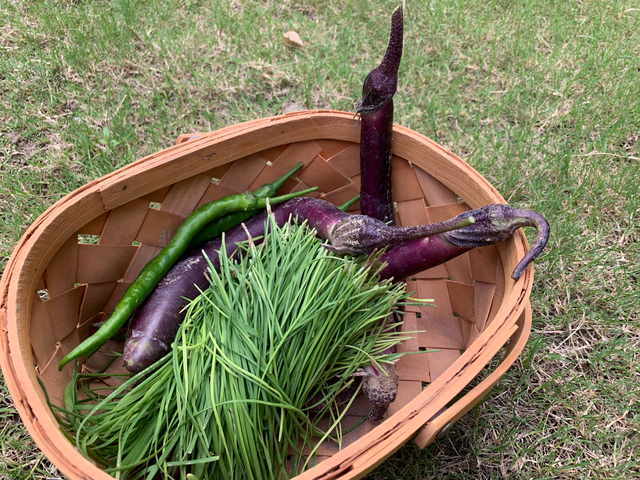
<point x="442" y="422"/>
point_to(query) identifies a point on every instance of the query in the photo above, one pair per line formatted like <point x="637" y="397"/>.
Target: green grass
<point x="540" y="97"/>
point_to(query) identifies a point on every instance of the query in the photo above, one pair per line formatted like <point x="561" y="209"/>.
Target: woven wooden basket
<point x="73" y="264"/>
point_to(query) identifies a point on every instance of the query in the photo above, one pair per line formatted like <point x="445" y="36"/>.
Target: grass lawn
<point x="541" y="97"/>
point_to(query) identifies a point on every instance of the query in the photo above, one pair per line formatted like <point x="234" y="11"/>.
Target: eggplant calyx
<point x="362" y="235"/>
<point x="382" y="82"/>
<point x="495" y="223"/>
<point x="380" y="390"/>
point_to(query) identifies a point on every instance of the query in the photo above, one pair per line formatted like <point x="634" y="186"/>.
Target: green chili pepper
<point x="157" y="268"/>
<point x="222" y="224"/>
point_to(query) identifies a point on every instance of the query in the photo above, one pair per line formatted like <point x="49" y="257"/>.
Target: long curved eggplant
<point x="376" y="199"/>
<point x="156" y="321"/>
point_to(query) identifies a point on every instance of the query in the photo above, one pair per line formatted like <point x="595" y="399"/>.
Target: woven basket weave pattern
<point x="90" y="271"/>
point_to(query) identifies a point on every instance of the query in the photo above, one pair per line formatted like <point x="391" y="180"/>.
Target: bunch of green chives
<point x="282" y="325"/>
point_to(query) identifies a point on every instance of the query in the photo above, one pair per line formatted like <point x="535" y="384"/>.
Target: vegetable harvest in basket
<point x="238" y="320"/>
<point x="273" y="345"/>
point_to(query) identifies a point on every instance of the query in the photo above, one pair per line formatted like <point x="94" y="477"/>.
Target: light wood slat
<point x="272" y="154"/>
<point x="216" y="174"/>
<point x="407" y="391"/>
<point x="342" y="195"/>
<point x="86" y="328"/>
<point x="409" y="329"/>
<point x="185" y="137"/>
<point x="185" y="195"/>
<point x="443" y="213"/>
<point x="462" y="299"/>
<point x="94" y="227"/>
<point x="405" y="185"/>
<point x="415" y="366"/>
<point x="64" y="311"/>
<point x="412" y="213"/>
<point x="243" y="173"/>
<point x="436" y="290"/>
<point x="54" y="380"/>
<point x="439" y="271"/>
<point x="124" y="223"/>
<point x="500" y="277"/>
<point x="347" y="161"/>
<point x="71" y="341"/>
<point x="321" y="174"/>
<point x="103" y="263"/>
<point x="295" y="153"/>
<point x="411" y="287"/>
<point x="459" y="269"/>
<point x="215" y="192"/>
<point x="95" y="297"/>
<point x="303" y="186"/>
<point x="268" y="174"/>
<point x="441" y="360"/>
<point x="356" y="181"/>
<point x="474" y="333"/>
<point x="157" y="196"/>
<point x="468" y="327"/>
<point x="497" y="302"/>
<point x="144" y="254"/>
<point x="60" y="274"/>
<point x="333" y="147"/>
<point x="399" y="163"/>
<point x="441" y="332"/>
<point x="482" y="262"/>
<point x="517" y="341"/>
<point x="42" y="340"/>
<point x="434" y="192"/>
<point x="483" y="294"/>
<point x="158" y="228"/>
<point x="116" y="295"/>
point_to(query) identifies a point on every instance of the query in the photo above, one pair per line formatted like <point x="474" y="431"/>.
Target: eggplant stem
<point x="362" y="234"/>
<point x="391" y="60"/>
<point x="392" y="235"/>
<point x="381" y="82"/>
<point x="497" y="222"/>
<point x="532" y="219"/>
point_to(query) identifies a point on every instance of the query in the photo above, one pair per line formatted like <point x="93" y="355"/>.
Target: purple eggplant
<point x="156" y="321"/>
<point x="376" y="200"/>
<point x="376" y="115"/>
<point x="492" y="224"/>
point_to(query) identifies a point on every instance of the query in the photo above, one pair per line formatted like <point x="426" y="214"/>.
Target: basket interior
<point x="90" y="272"/>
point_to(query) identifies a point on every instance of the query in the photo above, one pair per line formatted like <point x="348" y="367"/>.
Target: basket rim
<point x="43" y="238"/>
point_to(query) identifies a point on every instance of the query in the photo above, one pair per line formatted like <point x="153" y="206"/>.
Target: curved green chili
<point x="157" y="268"/>
<point x="230" y="220"/>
